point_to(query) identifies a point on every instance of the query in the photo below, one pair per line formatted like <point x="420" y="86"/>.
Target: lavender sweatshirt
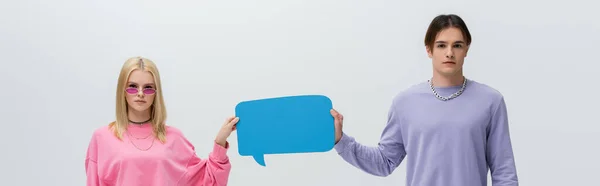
<point x="445" y="143"/>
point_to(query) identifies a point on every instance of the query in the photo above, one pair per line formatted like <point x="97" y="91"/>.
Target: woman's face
<point x="448" y="52"/>
<point x="140" y="91"/>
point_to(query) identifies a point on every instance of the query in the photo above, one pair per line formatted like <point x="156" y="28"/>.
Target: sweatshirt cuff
<point x="219" y="153"/>
<point x="342" y="145"/>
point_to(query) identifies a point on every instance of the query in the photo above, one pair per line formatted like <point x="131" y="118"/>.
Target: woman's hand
<point x="228" y="127"/>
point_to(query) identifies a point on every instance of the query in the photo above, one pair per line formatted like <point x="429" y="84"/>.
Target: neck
<point x="440" y="80"/>
<point x="138" y="116"/>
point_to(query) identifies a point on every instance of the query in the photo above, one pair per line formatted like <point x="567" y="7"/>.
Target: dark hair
<point x="442" y="22"/>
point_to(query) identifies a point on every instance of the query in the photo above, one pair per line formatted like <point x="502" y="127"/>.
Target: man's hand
<point x="338" y="121"/>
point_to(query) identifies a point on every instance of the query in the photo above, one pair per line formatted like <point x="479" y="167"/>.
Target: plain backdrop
<point x="60" y="61"/>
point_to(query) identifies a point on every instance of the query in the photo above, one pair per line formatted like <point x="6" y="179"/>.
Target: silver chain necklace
<point x="456" y="94"/>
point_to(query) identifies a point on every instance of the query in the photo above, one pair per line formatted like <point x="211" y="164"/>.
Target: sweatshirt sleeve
<point x="91" y="165"/>
<point x="380" y="160"/>
<point x="211" y="171"/>
<point x="499" y="153"/>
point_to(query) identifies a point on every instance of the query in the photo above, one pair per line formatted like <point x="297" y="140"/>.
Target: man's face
<point x="448" y="52"/>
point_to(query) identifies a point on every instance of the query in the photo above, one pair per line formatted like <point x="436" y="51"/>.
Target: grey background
<point x="61" y="59"/>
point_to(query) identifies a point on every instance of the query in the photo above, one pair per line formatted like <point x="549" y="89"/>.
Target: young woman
<point x="452" y="128"/>
<point x="140" y="149"/>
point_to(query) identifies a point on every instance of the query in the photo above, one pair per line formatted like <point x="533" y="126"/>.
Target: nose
<point x="449" y="53"/>
<point x="140" y="93"/>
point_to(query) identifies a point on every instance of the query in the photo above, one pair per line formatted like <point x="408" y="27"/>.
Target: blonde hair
<point x="159" y="113"/>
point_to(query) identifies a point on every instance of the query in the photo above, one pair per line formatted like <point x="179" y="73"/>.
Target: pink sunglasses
<point x="132" y="90"/>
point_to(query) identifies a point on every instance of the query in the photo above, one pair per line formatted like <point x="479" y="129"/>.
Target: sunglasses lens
<point x="149" y="91"/>
<point x="131" y="90"/>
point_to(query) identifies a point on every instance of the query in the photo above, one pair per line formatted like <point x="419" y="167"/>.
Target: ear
<point x="467" y="50"/>
<point x="429" y="52"/>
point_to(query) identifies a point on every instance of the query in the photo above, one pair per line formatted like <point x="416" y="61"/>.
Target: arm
<point x="91" y="170"/>
<point x="380" y="160"/>
<point x="91" y="166"/>
<point x="499" y="153"/>
<point x="213" y="171"/>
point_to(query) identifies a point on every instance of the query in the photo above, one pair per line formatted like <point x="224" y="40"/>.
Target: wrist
<point x="339" y="138"/>
<point x="221" y="142"/>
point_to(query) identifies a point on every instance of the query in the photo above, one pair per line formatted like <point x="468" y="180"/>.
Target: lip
<point x="140" y="101"/>
<point x="449" y="62"/>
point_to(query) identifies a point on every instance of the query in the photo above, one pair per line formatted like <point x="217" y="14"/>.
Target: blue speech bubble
<point x="292" y="124"/>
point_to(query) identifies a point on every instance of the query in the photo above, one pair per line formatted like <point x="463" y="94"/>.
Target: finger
<point x="334" y="113"/>
<point x="339" y="120"/>
<point x="233" y="121"/>
<point x="229" y="119"/>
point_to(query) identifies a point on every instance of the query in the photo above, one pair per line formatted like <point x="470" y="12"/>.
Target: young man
<point x="454" y="129"/>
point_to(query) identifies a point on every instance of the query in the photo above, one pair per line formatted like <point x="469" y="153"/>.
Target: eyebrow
<point x="136" y="83"/>
<point x="461" y="42"/>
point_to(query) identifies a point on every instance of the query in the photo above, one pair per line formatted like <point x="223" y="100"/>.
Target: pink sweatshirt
<point x="112" y="162"/>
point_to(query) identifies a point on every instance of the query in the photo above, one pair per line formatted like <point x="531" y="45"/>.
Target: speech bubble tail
<point x="260" y="159"/>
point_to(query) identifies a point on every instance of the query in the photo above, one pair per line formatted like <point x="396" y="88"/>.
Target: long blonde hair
<point x="159" y="113"/>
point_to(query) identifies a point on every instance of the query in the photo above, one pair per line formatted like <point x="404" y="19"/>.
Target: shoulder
<point x="102" y="132"/>
<point x="412" y="93"/>
<point x="101" y="137"/>
<point x="174" y="131"/>
<point x="176" y="135"/>
<point x="177" y="139"/>
<point x="490" y="98"/>
<point x="485" y="91"/>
